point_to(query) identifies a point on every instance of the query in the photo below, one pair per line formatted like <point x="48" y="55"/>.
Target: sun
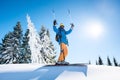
<point x="94" y="29"/>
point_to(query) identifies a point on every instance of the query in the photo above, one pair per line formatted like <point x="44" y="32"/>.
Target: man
<point x="62" y="40"/>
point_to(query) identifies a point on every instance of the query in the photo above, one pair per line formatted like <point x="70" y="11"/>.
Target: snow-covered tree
<point x="26" y="48"/>
<point x="18" y="32"/>
<point x="32" y="48"/>
<point x="11" y="46"/>
<point x="48" y="50"/>
<point x="18" y="35"/>
<point x="0" y="51"/>
<point x="34" y="43"/>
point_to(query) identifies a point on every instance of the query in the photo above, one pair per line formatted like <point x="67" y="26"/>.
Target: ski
<point x="73" y="64"/>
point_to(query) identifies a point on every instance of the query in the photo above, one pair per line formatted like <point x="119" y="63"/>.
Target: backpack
<point x="58" y="35"/>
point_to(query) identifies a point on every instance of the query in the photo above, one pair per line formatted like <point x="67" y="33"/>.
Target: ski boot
<point x="62" y="63"/>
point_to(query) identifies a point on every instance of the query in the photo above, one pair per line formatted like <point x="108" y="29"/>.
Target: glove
<point x="54" y="22"/>
<point x="72" y="25"/>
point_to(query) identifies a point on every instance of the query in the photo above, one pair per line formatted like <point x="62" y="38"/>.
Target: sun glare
<point x="94" y="29"/>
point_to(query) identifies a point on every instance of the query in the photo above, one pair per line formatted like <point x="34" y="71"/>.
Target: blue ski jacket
<point x="63" y="33"/>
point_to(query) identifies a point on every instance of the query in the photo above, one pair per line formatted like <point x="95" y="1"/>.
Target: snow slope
<point x="44" y="72"/>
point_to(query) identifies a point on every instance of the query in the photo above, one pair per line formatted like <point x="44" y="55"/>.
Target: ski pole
<point x="54" y="14"/>
<point x="70" y="16"/>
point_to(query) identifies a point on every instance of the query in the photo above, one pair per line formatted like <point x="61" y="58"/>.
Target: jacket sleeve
<point x="68" y="32"/>
<point x="55" y="29"/>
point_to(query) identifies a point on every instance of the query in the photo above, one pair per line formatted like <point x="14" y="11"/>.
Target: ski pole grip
<point x="54" y="22"/>
<point x="72" y="25"/>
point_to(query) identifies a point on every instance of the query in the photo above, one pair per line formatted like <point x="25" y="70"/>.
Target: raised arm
<point x="70" y="30"/>
<point x="54" y="26"/>
<point x="55" y="29"/>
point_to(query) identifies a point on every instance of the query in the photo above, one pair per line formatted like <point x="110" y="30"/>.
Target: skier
<point x="62" y="40"/>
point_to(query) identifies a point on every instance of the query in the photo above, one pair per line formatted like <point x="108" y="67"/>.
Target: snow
<point x="17" y="67"/>
<point x="71" y="75"/>
<point x="19" y="71"/>
<point x="49" y="72"/>
<point x="103" y="73"/>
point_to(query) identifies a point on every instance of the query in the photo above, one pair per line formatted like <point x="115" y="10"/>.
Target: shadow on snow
<point x="42" y="73"/>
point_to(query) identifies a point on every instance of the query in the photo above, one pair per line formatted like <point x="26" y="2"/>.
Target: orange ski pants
<point x="63" y="52"/>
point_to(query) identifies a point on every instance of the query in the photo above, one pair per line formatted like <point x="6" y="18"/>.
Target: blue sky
<point x="97" y="24"/>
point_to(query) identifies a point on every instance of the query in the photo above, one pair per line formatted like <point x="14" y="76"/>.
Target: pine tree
<point x="0" y="52"/>
<point x="115" y="62"/>
<point x="11" y="46"/>
<point x="8" y="47"/>
<point x="3" y="48"/>
<point x="48" y="50"/>
<point x="34" y="43"/>
<point x="100" y="61"/>
<point x="109" y="62"/>
<point x="26" y="48"/>
<point x="17" y="33"/>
